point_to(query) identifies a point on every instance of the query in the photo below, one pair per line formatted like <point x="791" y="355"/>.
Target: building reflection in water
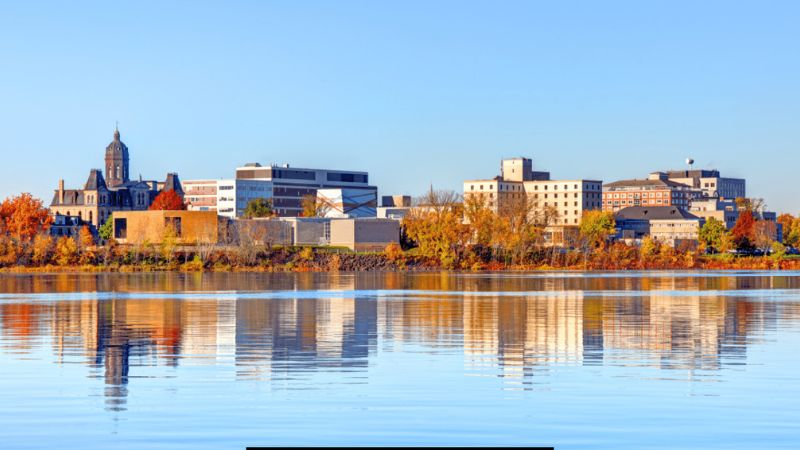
<point x="680" y="324"/>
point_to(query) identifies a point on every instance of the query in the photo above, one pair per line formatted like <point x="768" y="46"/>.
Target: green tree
<point x="712" y="234"/>
<point x="259" y="207"/>
<point x="596" y="226"/>
<point x="106" y="230"/>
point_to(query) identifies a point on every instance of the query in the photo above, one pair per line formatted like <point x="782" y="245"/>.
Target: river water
<point x="572" y="360"/>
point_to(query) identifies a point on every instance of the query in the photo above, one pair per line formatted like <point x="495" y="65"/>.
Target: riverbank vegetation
<point x="445" y="234"/>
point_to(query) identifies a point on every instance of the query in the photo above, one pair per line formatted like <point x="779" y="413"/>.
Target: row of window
<point x="643" y="195"/>
<point x="588" y="187"/>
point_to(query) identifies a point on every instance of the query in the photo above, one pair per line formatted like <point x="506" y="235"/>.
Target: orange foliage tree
<point x="743" y="232"/>
<point x="24" y="216"/>
<point x="168" y="201"/>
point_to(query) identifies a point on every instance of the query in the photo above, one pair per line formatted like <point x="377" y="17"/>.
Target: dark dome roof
<point x="117" y="147"/>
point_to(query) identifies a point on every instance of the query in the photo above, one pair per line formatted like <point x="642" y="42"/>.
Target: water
<point x="618" y="360"/>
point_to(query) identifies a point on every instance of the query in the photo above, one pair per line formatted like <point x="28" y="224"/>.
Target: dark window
<point x="294" y="174"/>
<point x="175" y="223"/>
<point x="347" y="177"/>
<point x="120" y="228"/>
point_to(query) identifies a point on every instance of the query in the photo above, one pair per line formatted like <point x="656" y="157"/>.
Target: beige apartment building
<point x="568" y="198"/>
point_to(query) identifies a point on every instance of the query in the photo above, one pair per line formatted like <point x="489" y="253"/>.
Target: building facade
<point x="657" y="190"/>
<point x="670" y="225"/>
<point x="102" y="195"/>
<point x="187" y="227"/>
<point x="286" y="186"/>
<point x="567" y="199"/>
<point x="710" y="183"/>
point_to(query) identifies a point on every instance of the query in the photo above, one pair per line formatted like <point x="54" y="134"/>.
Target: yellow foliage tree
<point x="437" y="227"/>
<point x="43" y="247"/>
<point x="66" y="251"/>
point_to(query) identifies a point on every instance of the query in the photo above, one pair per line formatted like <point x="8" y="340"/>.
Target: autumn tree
<point x="596" y="226"/>
<point x="168" y="201"/>
<point x="520" y="223"/>
<point x="743" y="231"/>
<point x="791" y="229"/>
<point x="764" y="234"/>
<point x="66" y="251"/>
<point x="43" y="248"/>
<point x="755" y="205"/>
<point x="482" y="220"/>
<point x="712" y="234"/>
<point x="259" y="208"/>
<point x="436" y="226"/>
<point x="313" y="206"/>
<point x="24" y="216"/>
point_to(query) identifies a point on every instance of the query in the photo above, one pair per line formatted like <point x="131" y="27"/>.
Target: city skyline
<point x="446" y="89"/>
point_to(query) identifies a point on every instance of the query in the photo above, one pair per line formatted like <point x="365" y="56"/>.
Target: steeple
<point x="117" y="160"/>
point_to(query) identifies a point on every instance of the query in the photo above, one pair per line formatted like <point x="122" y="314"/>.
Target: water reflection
<point x="571" y="321"/>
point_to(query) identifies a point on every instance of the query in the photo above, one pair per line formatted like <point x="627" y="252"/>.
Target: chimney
<point x="61" y="191"/>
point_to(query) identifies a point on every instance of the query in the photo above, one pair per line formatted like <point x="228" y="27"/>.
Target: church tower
<point x="117" y="162"/>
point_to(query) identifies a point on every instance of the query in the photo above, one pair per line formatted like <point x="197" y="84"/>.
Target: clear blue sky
<point x="414" y="92"/>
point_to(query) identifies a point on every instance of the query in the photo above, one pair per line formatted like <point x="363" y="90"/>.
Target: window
<point x="120" y="228"/>
<point x="175" y="223"/>
<point x="344" y="177"/>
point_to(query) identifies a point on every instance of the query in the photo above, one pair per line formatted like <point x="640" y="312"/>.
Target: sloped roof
<point x="654" y="213"/>
<point x="71" y="197"/>
<point x="173" y="183"/>
<point x="644" y="183"/>
<point x="95" y="180"/>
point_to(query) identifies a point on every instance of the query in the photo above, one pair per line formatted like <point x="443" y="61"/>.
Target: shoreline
<point x="754" y="264"/>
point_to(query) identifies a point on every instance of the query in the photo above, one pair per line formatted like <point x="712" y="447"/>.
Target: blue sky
<point x="413" y="92"/>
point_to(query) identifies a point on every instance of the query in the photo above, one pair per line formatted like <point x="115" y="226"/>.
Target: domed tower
<point x="116" y="162"/>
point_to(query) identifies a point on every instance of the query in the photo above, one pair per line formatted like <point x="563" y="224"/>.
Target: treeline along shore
<point x="445" y="235"/>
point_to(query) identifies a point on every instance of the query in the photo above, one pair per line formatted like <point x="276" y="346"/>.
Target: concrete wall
<point x="151" y="226"/>
<point x="364" y="234"/>
<point x="264" y="231"/>
<point x="310" y="232"/>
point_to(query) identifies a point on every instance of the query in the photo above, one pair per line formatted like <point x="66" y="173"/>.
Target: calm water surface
<point x="633" y="360"/>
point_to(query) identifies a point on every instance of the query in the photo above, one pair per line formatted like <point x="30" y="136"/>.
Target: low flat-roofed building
<point x="65" y="225"/>
<point x="364" y="234"/>
<point x="725" y="211"/>
<point x="396" y="201"/>
<point x="668" y="224"/>
<point x="189" y="227"/>
<point x="390" y="212"/>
